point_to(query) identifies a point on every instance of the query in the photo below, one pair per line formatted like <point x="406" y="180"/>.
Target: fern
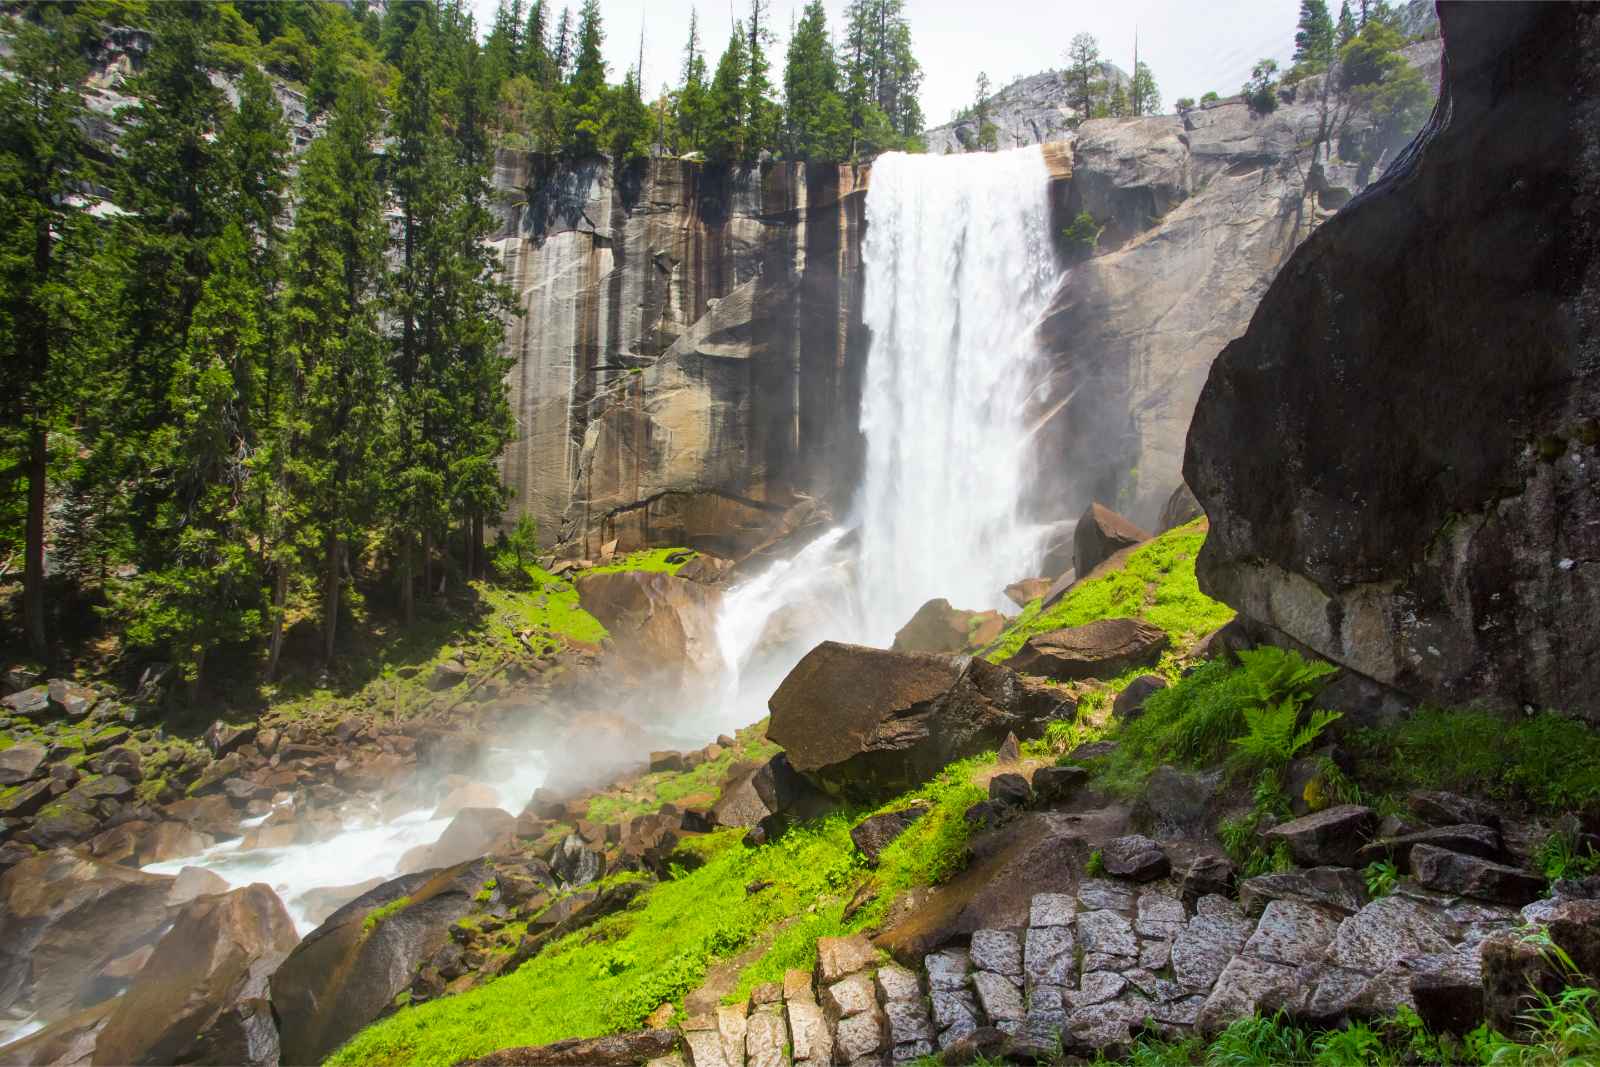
<point x="1273" y="734"/>
<point x="1279" y="674"/>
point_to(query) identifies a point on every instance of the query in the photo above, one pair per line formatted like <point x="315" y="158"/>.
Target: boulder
<point x="657" y="619"/>
<point x="876" y="832"/>
<point x="347" y="972"/>
<point x="1335" y="888"/>
<point x="1010" y="790"/>
<point x="868" y="723"/>
<point x="470" y="795"/>
<point x="1136" y="858"/>
<point x="1129" y="704"/>
<point x="221" y="738"/>
<point x="1181" y="507"/>
<point x="1377" y="503"/>
<point x="1208" y="875"/>
<point x="69" y="699"/>
<point x="63" y="917"/>
<point x="1178" y="803"/>
<point x="1027" y="591"/>
<point x="613" y="1050"/>
<point x="1472" y="839"/>
<point x="67" y="1042"/>
<point x="474" y="832"/>
<point x="1451" y="809"/>
<point x="1057" y="785"/>
<point x="706" y="569"/>
<point x="1102" y="533"/>
<point x="1473" y="876"/>
<point x="1333" y="836"/>
<point x="202" y="995"/>
<point x="19" y="763"/>
<point x="32" y="703"/>
<point x="1516" y="967"/>
<point x="1100" y="649"/>
<point x="938" y="627"/>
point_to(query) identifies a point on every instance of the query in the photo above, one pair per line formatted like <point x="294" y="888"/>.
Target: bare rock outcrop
<point x="1397" y="457"/>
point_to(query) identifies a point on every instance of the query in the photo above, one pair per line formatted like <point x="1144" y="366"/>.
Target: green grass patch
<point x="649" y="559"/>
<point x="650" y="792"/>
<point x="1157" y="585"/>
<point x="378" y="914"/>
<point x="1546" y="762"/>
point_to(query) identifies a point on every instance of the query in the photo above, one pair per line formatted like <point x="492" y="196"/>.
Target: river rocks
<point x="202" y="996"/>
<point x="348" y="971"/>
<point x="1100" y="649"/>
<point x="1333" y="836"/>
<point x="876" y="832"/>
<point x="33" y="702"/>
<point x="657" y="619"/>
<point x="63" y="918"/>
<point x="222" y="738"/>
<point x="1377" y="504"/>
<point x="938" y="627"/>
<point x="868" y="723"/>
<point x="1102" y="533"/>
<point x="1135" y="857"/>
<point x="1010" y="790"/>
<point x="1129" y="704"/>
<point x="19" y="763"/>
<point x="1473" y="876"/>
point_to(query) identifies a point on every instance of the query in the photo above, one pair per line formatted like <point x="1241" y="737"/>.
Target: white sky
<point x="1191" y="45"/>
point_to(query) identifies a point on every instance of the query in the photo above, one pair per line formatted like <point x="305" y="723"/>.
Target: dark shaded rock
<point x="1100" y="649"/>
<point x="938" y="627"/>
<point x="202" y="996"/>
<point x="1129" y="704"/>
<point x="1010" y="750"/>
<point x="346" y="973"/>
<point x="1338" y="888"/>
<point x="1516" y="967"/>
<point x="1208" y="875"/>
<point x="1181" y="507"/>
<point x="31" y="703"/>
<point x="123" y="761"/>
<point x="987" y="814"/>
<point x="1472" y="840"/>
<point x="57" y="825"/>
<point x="1178" y="803"/>
<point x="221" y="738"/>
<point x="1102" y="533"/>
<point x="788" y="792"/>
<point x="867" y="724"/>
<point x="20" y="763"/>
<point x="1331" y="837"/>
<point x="27" y="800"/>
<point x="1449" y="1000"/>
<point x="1473" y="876"/>
<point x="448" y="675"/>
<point x="576" y="864"/>
<point x="63" y="918"/>
<point x="875" y="833"/>
<point x="614" y="1050"/>
<point x="1055" y="785"/>
<point x="1378" y="504"/>
<point x="1135" y="857"/>
<point x="740" y="803"/>
<point x="1011" y="790"/>
<point x="1452" y="809"/>
<point x="666" y="761"/>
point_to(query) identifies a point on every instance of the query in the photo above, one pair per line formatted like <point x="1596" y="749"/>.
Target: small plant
<point x="1096" y="865"/>
<point x="1261" y="91"/>
<point x="1209" y="98"/>
<point x="1185" y="103"/>
<point x="1381" y="877"/>
<point x="1356" y="1044"/>
<point x="1558" y="857"/>
<point x="1082" y="234"/>
<point x="378" y="914"/>
<point x="1274" y="735"/>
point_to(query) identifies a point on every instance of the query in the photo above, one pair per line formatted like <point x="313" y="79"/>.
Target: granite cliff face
<point x="689" y="357"/>
<point x="1398" y="456"/>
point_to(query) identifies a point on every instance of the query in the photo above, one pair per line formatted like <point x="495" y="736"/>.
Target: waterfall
<point x="958" y="265"/>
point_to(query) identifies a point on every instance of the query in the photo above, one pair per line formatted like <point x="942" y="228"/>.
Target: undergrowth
<point x="1157" y="585"/>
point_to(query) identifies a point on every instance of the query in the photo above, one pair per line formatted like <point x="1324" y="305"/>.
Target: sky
<point x="1191" y="45"/>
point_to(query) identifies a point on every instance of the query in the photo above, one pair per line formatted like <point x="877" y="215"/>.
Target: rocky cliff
<point x="1397" y="457"/>
<point x="689" y="355"/>
<point x="1198" y="213"/>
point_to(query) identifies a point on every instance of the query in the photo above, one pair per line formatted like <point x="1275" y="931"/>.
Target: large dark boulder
<point x="1101" y="534"/>
<point x="1397" y="457"/>
<point x="868" y="723"/>
<point x="63" y="917"/>
<point x="202" y="995"/>
<point x="1104" y="648"/>
<point x="347" y="972"/>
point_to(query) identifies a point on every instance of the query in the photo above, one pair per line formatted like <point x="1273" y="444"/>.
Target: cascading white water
<point x="958" y="265"/>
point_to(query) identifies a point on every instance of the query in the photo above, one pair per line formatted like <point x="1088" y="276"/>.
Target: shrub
<point x="1209" y="98"/>
<point x="1261" y="91"/>
<point x="1082" y="234"/>
<point x="1185" y="103"/>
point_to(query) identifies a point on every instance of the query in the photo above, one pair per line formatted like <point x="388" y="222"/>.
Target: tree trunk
<point x="197" y="683"/>
<point x="33" y="553"/>
<point x="427" y="564"/>
<point x="408" y="593"/>
<point x="330" y="596"/>
<point x="280" y="596"/>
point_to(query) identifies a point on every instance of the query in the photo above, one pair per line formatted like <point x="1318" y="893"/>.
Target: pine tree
<point x="691" y="100"/>
<point x="1313" y="40"/>
<point x="1346" y="29"/>
<point x="762" y="115"/>
<point x="561" y="46"/>
<point x="588" y="100"/>
<point x="332" y="337"/>
<point x="882" y="76"/>
<point x="815" y="123"/>
<point x="1143" y="96"/>
<point x="630" y="121"/>
<point x="988" y="138"/>
<point x="1083" y="73"/>
<point x="42" y="161"/>
<point x="726" y="129"/>
<point x="1117" y="105"/>
<point x="536" y="62"/>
